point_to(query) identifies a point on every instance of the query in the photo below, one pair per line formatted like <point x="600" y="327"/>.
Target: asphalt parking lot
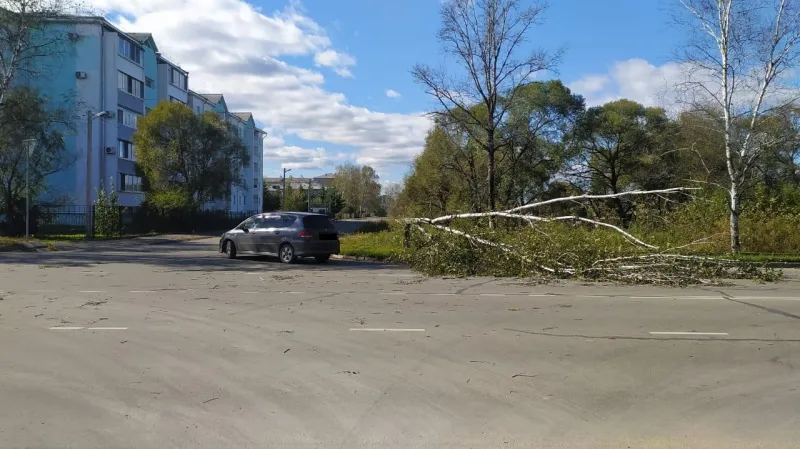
<point x="173" y="346"/>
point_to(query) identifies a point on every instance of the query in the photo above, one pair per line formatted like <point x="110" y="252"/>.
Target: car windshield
<point x="317" y="222"/>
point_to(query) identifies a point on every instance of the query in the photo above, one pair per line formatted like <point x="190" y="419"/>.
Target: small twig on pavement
<point x="212" y="399"/>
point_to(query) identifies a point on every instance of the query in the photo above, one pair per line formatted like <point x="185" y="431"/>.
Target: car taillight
<point x="305" y="234"/>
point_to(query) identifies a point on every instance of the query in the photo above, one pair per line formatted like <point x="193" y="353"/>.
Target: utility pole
<point x="283" y="201"/>
<point x="308" y="201"/>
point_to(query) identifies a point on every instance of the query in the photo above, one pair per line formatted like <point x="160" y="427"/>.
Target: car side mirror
<point x="246" y="231"/>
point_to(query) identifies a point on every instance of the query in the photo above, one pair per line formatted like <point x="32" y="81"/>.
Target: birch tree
<point x="487" y="40"/>
<point x="740" y="58"/>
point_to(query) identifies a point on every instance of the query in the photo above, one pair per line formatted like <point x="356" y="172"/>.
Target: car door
<point x="272" y="234"/>
<point x="259" y="235"/>
<point x="245" y="241"/>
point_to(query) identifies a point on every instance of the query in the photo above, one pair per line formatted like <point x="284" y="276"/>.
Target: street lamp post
<point x="90" y="116"/>
<point x="283" y="201"/>
<point x="29" y="144"/>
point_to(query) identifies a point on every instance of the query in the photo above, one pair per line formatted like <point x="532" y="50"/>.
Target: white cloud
<point x="674" y="86"/>
<point x="634" y="79"/>
<point x="339" y="62"/>
<point x="294" y="157"/>
<point x="391" y="93"/>
<point x="590" y="84"/>
<point x="233" y="48"/>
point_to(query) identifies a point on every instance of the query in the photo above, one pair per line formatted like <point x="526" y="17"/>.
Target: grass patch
<point x="384" y="245"/>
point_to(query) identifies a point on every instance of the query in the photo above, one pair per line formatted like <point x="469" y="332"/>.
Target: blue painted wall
<point x="59" y="85"/>
<point x="151" y="71"/>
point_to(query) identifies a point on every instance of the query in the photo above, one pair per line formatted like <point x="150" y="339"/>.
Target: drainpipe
<point x="102" y="108"/>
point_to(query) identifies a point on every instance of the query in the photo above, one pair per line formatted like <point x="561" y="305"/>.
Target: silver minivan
<point x="287" y="235"/>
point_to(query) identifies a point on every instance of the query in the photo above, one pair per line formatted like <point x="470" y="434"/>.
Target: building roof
<point x="214" y="98"/>
<point x="200" y="96"/>
<point x="141" y="37"/>
<point x="243" y="115"/>
<point x="161" y="58"/>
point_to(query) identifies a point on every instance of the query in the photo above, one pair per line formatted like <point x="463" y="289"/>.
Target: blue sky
<point x="316" y="73"/>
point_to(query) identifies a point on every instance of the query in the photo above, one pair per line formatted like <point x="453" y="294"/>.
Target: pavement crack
<point x="764" y="308"/>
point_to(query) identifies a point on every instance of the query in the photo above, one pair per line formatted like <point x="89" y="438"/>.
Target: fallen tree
<point x="543" y="246"/>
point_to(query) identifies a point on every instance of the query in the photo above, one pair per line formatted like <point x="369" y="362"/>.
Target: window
<point x="130" y="183"/>
<point x="255" y="167"/>
<point x="199" y="111"/>
<point x="318" y="222"/>
<point x="130" y="50"/>
<point x="127" y="150"/>
<point x="273" y="222"/>
<point x="129" y="84"/>
<point x="127" y="118"/>
<point x="248" y="224"/>
<point x="147" y="110"/>
<point x="178" y="78"/>
<point x="255" y="183"/>
<point x="176" y="100"/>
<point x="255" y="199"/>
<point x="148" y="82"/>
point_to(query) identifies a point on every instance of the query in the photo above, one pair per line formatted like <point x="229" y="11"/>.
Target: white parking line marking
<point x="395" y="293"/>
<point x="65" y="328"/>
<point x="690" y="333"/>
<point x="142" y="291"/>
<point x="92" y="291"/>
<point x="777" y="298"/>
<point x="492" y="294"/>
<point x="385" y="330"/>
<point x="42" y="291"/>
<point x="443" y="294"/>
<point x="107" y="328"/>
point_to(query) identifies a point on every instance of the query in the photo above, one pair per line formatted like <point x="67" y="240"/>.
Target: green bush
<point x="107" y="218"/>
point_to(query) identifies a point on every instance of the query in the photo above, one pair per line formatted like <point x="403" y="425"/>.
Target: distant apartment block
<point x="125" y="74"/>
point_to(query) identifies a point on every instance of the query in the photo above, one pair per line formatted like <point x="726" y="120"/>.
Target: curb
<point x="356" y="258"/>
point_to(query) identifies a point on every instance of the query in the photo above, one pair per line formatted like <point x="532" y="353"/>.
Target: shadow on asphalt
<point x="183" y="256"/>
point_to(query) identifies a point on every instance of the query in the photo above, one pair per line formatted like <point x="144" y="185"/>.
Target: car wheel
<point x="230" y="249"/>
<point x="286" y="253"/>
<point x="322" y="259"/>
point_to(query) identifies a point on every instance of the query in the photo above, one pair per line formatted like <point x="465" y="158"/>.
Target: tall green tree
<point x="271" y="199"/>
<point x="27" y="115"/>
<point x="296" y="200"/>
<point x="188" y="159"/>
<point x="437" y="183"/>
<point x="544" y="112"/>
<point x="621" y="146"/>
<point x="359" y="187"/>
<point x="487" y="40"/>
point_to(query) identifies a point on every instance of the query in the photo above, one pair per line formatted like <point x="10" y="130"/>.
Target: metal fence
<point x="71" y="220"/>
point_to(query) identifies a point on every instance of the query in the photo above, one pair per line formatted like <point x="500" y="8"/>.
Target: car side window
<point x="287" y="220"/>
<point x="248" y="224"/>
<point x="261" y="223"/>
<point x="272" y="222"/>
